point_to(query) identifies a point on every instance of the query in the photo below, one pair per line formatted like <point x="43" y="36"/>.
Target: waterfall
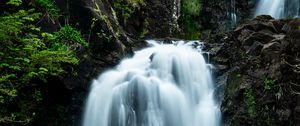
<point x="292" y="8"/>
<point x="232" y="14"/>
<point x="278" y="8"/>
<point x="162" y="85"/>
<point x="275" y="8"/>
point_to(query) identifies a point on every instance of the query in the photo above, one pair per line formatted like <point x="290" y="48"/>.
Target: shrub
<point x="70" y="36"/>
<point x="28" y="57"/>
<point x="191" y="9"/>
<point x="127" y="7"/>
<point x="49" y="7"/>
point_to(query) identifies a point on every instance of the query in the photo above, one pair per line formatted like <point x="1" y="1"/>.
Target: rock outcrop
<point x="262" y="72"/>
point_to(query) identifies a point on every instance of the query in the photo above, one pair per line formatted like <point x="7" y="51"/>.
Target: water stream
<point x="232" y="13"/>
<point x="279" y="8"/>
<point x="162" y="85"/>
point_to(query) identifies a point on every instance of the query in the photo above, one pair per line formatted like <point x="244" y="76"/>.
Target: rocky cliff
<point x="259" y="63"/>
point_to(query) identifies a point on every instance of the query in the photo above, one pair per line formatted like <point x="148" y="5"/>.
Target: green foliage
<point x="269" y="83"/>
<point x="14" y="2"/>
<point x="127" y="7"/>
<point x="103" y="35"/>
<point x="124" y="8"/>
<point x="192" y="28"/>
<point x="191" y="9"/>
<point x="265" y="109"/>
<point x="145" y="29"/>
<point x="27" y="54"/>
<point x="69" y="36"/>
<point x="136" y="3"/>
<point x="250" y="102"/>
<point x="49" y="7"/>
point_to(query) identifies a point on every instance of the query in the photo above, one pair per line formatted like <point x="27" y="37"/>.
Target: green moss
<point x="233" y="82"/>
<point x="104" y="35"/>
<point x="250" y="102"/>
<point x="269" y="83"/>
<point x="145" y="29"/>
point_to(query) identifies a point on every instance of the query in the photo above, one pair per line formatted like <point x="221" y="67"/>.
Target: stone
<point x="260" y="37"/>
<point x="263" y="18"/>
<point x="293" y="38"/>
<point x="284" y="115"/>
<point x="255" y="48"/>
<point x="297" y="114"/>
<point x="262" y="49"/>
<point x="244" y="34"/>
<point x="271" y="52"/>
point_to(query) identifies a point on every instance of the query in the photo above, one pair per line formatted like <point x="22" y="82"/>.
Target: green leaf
<point x="43" y="69"/>
<point x="27" y="60"/>
<point x="14" y="2"/>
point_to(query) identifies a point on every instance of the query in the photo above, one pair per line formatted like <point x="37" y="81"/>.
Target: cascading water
<point x="278" y="8"/>
<point x="232" y="13"/>
<point x="275" y="8"/>
<point x="163" y="85"/>
<point x="292" y="8"/>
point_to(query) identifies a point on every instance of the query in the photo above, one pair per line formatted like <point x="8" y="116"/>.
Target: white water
<point x="163" y="85"/>
<point x="279" y="8"/>
<point x="232" y="14"/>
<point x="275" y="8"/>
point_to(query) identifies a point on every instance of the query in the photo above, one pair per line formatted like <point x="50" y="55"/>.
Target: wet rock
<point x="293" y="40"/>
<point x="297" y="114"/>
<point x="264" y="18"/>
<point x="284" y="115"/>
<point x="271" y="52"/>
<point x="243" y="34"/>
<point x="263" y="90"/>
<point x="255" y="48"/>
<point x="260" y="37"/>
<point x="278" y="25"/>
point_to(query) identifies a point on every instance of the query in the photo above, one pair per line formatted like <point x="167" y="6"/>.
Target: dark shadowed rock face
<point x="223" y="15"/>
<point x="262" y="85"/>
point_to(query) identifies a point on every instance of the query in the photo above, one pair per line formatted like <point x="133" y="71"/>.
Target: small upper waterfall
<point x="232" y="14"/>
<point x="162" y="85"/>
<point x="275" y="8"/>
<point x="278" y="8"/>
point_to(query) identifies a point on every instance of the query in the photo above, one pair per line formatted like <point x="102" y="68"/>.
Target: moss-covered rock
<point x="262" y="85"/>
